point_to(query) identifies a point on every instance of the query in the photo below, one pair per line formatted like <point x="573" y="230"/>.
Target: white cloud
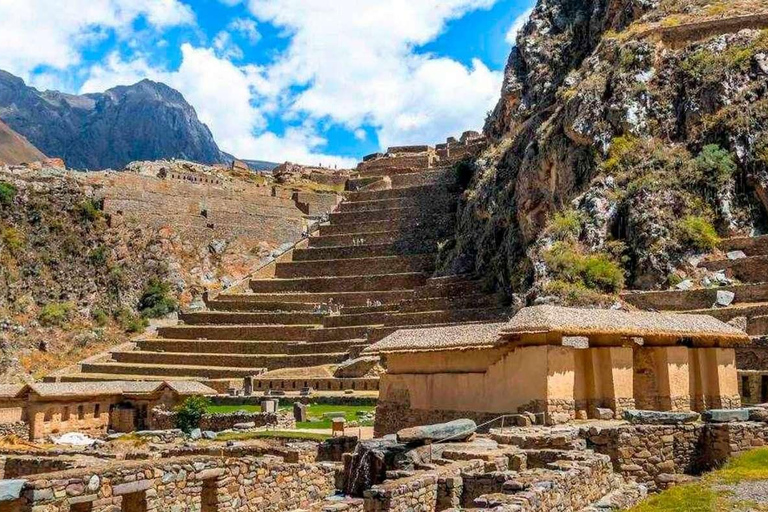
<point x="517" y="26"/>
<point x="53" y="33"/>
<point x="358" y="64"/>
<point x="360" y="134"/>
<point x="226" y="47"/>
<point x="247" y="28"/>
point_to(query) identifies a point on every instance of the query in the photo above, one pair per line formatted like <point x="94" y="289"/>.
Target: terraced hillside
<point x="744" y="302"/>
<point x="364" y="274"/>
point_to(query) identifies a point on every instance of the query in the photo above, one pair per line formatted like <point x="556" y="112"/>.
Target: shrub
<point x="190" y="412"/>
<point x="697" y="232"/>
<point x="715" y="166"/>
<point x="130" y="322"/>
<point x="7" y="194"/>
<point x="565" y="225"/>
<point x="98" y="256"/>
<point x="574" y="294"/>
<point x="155" y="302"/>
<point x="88" y="210"/>
<point x="593" y="271"/>
<point x="12" y="238"/>
<point x="55" y="314"/>
<point x="100" y="317"/>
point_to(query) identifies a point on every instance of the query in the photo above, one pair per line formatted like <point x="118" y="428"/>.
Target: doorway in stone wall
<point x="209" y="498"/>
<point x="134" y="502"/>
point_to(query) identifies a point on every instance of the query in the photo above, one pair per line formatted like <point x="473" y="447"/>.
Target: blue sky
<point x="310" y="81"/>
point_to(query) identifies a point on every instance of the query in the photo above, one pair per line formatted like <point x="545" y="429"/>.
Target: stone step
<point x="419" y="239"/>
<point x="677" y="300"/>
<point x="421" y="222"/>
<point x="758" y="325"/>
<point x="356" y="320"/>
<point x="164" y="370"/>
<point x="752" y="269"/>
<point x="324" y="335"/>
<point x="355" y="240"/>
<point x="239" y="305"/>
<point x="401" y="214"/>
<point x="348" y="299"/>
<point x="388" y="171"/>
<point x="359" y="310"/>
<point x="232" y="361"/>
<point x="249" y="318"/>
<point x="405" y="281"/>
<point x="356" y="267"/>
<point x="245" y="347"/>
<point x="449" y="316"/>
<point x="751" y="246"/>
<point x="749" y="310"/>
<point x="443" y="177"/>
<point x="379" y="204"/>
<point x="98" y="377"/>
<point x="391" y="193"/>
<point x="448" y="288"/>
<point x="343" y="253"/>
<point x="452" y="302"/>
<point x="236" y="332"/>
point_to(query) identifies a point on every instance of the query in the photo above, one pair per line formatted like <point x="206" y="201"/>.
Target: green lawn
<point x="315" y="413"/>
<point x="702" y="497"/>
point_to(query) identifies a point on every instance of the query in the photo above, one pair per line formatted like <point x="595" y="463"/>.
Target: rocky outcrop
<point x="15" y="149"/>
<point x="617" y="149"/>
<point x="145" y="121"/>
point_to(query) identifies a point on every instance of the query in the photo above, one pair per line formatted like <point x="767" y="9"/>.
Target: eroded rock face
<point x="583" y="76"/>
<point x="145" y="121"/>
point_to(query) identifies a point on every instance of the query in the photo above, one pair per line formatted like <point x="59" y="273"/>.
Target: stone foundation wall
<point x="163" y="420"/>
<point x="265" y="484"/>
<point x="656" y="455"/>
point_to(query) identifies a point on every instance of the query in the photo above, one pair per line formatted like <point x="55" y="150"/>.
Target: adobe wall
<point x="89" y="417"/>
<point x="265" y="484"/>
<point x="562" y="383"/>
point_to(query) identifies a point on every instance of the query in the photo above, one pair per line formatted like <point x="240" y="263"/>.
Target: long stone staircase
<point x="365" y="274"/>
<point x="742" y="298"/>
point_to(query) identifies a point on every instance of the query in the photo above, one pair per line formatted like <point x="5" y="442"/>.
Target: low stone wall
<point x="657" y="455"/>
<point x="313" y="399"/>
<point x="18" y="428"/>
<point x="217" y="422"/>
<point x="16" y="466"/>
<point x="266" y="484"/>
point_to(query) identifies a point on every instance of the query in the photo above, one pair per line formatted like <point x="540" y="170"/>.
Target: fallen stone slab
<point x="244" y="426"/>
<point x="659" y="417"/>
<point x="458" y="430"/>
<point x="725" y="415"/>
<point x="11" y="489"/>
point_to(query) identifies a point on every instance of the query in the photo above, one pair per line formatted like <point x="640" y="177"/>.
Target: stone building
<point x="558" y="364"/>
<point x="44" y="409"/>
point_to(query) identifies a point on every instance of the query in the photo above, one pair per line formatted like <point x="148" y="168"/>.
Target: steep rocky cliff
<point x="629" y="136"/>
<point x="145" y="121"/>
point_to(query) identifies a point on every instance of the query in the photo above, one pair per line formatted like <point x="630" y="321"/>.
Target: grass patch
<point x="593" y="271"/>
<point x="701" y="497"/>
<point x="55" y="314"/>
<point x="315" y="413"/>
<point x="684" y="498"/>
<point x="276" y="434"/>
<point x="698" y="232"/>
<point x="7" y="194"/>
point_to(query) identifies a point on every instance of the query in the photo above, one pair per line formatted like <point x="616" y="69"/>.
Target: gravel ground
<point x="752" y="491"/>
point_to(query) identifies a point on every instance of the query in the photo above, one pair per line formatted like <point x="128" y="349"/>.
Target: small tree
<point x="155" y="301"/>
<point x="190" y="413"/>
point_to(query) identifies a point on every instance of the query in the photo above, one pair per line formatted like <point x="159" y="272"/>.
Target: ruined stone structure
<point x="743" y="304"/>
<point x="560" y="364"/>
<point x="359" y="278"/>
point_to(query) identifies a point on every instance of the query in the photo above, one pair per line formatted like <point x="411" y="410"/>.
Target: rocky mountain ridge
<point x="144" y="121"/>
<point x="15" y="149"/>
<point x="630" y="136"/>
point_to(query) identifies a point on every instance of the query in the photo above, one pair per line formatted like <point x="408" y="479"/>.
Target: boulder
<point x="725" y="415"/>
<point x="244" y="426"/>
<point x="458" y="430"/>
<point x="725" y="298"/>
<point x="659" y="417"/>
<point x="209" y="434"/>
<point x="196" y="434"/>
<point x="11" y="489"/>
<point x="736" y="255"/>
<point x="603" y="413"/>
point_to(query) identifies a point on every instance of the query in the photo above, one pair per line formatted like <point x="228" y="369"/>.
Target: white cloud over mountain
<point x="349" y="63"/>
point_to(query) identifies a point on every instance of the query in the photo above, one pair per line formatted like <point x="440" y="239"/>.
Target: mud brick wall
<point x="165" y="420"/>
<point x="264" y="484"/>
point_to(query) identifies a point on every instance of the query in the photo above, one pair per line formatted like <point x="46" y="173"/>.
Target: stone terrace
<point x="742" y="300"/>
<point x="362" y="276"/>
